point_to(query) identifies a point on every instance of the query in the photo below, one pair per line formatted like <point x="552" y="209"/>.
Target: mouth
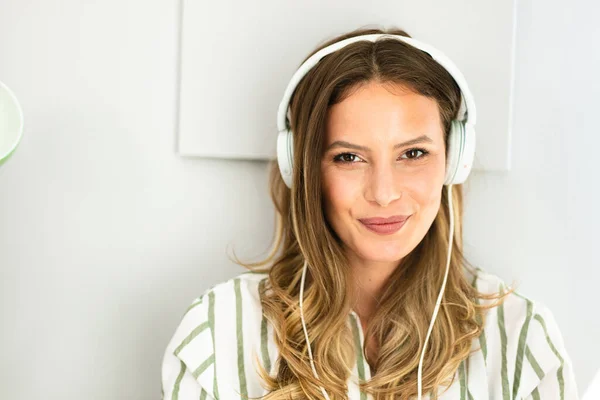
<point x="384" y="226"/>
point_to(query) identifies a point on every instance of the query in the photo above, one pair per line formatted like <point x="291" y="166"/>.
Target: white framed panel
<point x="237" y="58"/>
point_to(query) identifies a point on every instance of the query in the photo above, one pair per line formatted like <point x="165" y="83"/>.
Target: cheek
<point x="425" y="186"/>
<point x="426" y="192"/>
<point x="339" y="192"/>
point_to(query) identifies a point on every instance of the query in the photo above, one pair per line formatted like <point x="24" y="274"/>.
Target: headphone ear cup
<point x="285" y="156"/>
<point x="461" y="152"/>
<point x="455" y="148"/>
<point x="465" y="163"/>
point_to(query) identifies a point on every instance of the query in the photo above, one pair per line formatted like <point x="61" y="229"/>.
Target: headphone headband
<point x="466" y="113"/>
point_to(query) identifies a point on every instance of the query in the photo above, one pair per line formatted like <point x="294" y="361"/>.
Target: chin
<point x="383" y="252"/>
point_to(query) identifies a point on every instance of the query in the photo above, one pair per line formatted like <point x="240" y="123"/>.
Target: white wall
<point x="106" y="234"/>
<point x="538" y="223"/>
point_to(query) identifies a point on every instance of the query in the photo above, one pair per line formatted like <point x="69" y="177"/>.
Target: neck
<point x="367" y="280"/>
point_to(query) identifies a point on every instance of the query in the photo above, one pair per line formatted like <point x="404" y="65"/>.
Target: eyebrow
<point x="342" y="143"/>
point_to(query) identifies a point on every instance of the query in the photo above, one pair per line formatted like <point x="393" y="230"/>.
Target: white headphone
<point x="461" y="140"/>
<point x="461" y="151"/>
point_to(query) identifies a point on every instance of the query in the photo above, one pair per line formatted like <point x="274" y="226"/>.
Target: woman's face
<point x="384" y="156"/>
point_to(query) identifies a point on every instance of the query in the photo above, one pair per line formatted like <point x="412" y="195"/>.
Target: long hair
<point x="302" y="233"/>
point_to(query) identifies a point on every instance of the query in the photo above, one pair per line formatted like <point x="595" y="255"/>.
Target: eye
<point x="345" y="158"/>
<point x="413" y="154"/>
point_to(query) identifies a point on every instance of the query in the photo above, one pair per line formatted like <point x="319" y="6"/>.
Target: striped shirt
<point x="519" y="355"/>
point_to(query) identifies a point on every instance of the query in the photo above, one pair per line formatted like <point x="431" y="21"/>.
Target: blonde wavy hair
<point x="407" y="301"/>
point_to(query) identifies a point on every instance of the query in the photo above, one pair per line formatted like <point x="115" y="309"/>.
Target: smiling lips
<point x="385" y="226"/>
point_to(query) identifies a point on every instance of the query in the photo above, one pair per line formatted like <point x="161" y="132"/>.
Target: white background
<point x="106" y="234"/>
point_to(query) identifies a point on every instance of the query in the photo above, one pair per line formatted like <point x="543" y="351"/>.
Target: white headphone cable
<point x="439" y="299"/>
<point x="312" y="364"/>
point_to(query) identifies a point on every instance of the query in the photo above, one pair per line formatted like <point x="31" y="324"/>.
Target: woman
<point x="366" y="293"/>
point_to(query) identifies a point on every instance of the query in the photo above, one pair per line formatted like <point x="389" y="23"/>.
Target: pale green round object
<point x="11" y="122"/>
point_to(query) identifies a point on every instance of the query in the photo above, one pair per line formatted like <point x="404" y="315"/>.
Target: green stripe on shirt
<point x="469" y="395"/>
<point x="211" y="322"/>
<point x="178" y="382"/>
<point x="210" y="360"/>
<point x="463" y="381"/>
<point x="264" y="333"/>
<point x="482" y="339"/>
<point x="240" y="338"/>
<point x="203" y="394"/>
<point x="521" y="349"/>
<point x="559" y="374"/>
<point x="191" y="336"/>
<point x="503" y="344"/>
<point x="534" y="364"/>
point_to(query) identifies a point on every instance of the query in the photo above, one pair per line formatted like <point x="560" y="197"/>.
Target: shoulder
<point x="219" y="333"/>
<point x="227" y="295"/>
<point x="523" y="340"/>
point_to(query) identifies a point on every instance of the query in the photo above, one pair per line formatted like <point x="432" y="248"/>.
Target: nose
<point x="383" y="186"/>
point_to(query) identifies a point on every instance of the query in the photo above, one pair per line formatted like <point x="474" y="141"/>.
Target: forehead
<point x="377" y="111"/>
